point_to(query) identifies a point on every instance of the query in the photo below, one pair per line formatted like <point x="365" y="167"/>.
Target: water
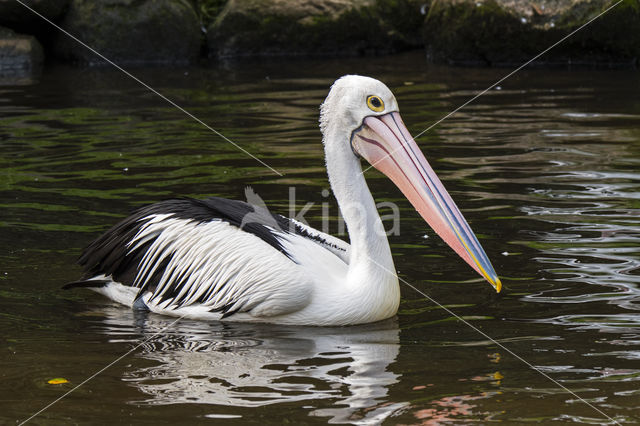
<point x="545" y="169"/>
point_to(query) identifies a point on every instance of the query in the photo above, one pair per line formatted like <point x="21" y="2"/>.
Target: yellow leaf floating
<point x="57" y="381"/>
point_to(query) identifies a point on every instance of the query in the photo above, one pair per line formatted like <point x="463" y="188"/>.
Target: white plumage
<point x="204" y="259"/>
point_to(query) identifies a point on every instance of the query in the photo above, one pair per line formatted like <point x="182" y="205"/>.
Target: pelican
<point x="202" y="259"/>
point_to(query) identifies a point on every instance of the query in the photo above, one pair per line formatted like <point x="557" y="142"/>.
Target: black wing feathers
<point x="111" y="254"/>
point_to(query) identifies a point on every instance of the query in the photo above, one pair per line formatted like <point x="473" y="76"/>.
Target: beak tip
<point x="498" y="285"/>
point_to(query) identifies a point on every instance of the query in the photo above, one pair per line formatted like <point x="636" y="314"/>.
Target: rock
<point x="130" y="31"/>
<point x="208" y="10"/>
<point x="20" y="55"/>
<point x="19" y="18"/>
<point x="314" y="27"/>
<point x="509" y="32"/>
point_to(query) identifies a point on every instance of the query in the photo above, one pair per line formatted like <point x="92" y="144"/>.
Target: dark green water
<point x="546" y="170"/>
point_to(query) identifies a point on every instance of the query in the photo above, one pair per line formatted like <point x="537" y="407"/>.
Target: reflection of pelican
<point x="240" y="365"/>
<point x="204" y="259"/>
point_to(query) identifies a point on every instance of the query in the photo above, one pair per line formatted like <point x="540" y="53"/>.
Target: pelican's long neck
<point x="370" y="253"/>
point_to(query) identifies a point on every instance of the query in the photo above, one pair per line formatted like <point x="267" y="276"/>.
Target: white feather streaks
<point x="215" y="265"/>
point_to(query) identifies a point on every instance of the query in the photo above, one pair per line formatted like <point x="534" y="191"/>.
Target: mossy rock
<point x="19" y="18"/>
<point x="613" y="38"/>
<point x="474" y="32"/>
<point x="505" y="32"/>
<point x="20" y="55"/>
<point x="208" y="10"/>
<point x="130" y="31"/>
<point x="314" y="27"/>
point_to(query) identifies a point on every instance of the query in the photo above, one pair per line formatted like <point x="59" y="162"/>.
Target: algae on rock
<point x="501" y="32"/>
<point x="314" y="27"/>
<point x="131" y="31"/>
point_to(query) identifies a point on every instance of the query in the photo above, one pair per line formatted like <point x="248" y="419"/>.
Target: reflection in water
<point x="450" y="408"/>
<point x="248" y="365"/>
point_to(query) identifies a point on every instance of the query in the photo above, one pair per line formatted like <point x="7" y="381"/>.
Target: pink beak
<point x="386" y="144"/>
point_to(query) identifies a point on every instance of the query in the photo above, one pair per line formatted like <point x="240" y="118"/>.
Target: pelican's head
<point x="367" y="109"/>
<point x="344" y="106"/>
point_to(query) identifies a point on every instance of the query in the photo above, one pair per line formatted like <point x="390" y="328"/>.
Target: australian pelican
<point x="203" y="259"/>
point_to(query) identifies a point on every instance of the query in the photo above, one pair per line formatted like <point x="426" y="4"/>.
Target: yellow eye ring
<point x="375" y="103"/>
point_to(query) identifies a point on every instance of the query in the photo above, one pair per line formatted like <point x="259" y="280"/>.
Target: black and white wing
<point x="205" y="255"/>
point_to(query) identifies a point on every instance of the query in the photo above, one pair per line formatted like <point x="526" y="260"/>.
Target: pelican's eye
<point x="375" y="103"/>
